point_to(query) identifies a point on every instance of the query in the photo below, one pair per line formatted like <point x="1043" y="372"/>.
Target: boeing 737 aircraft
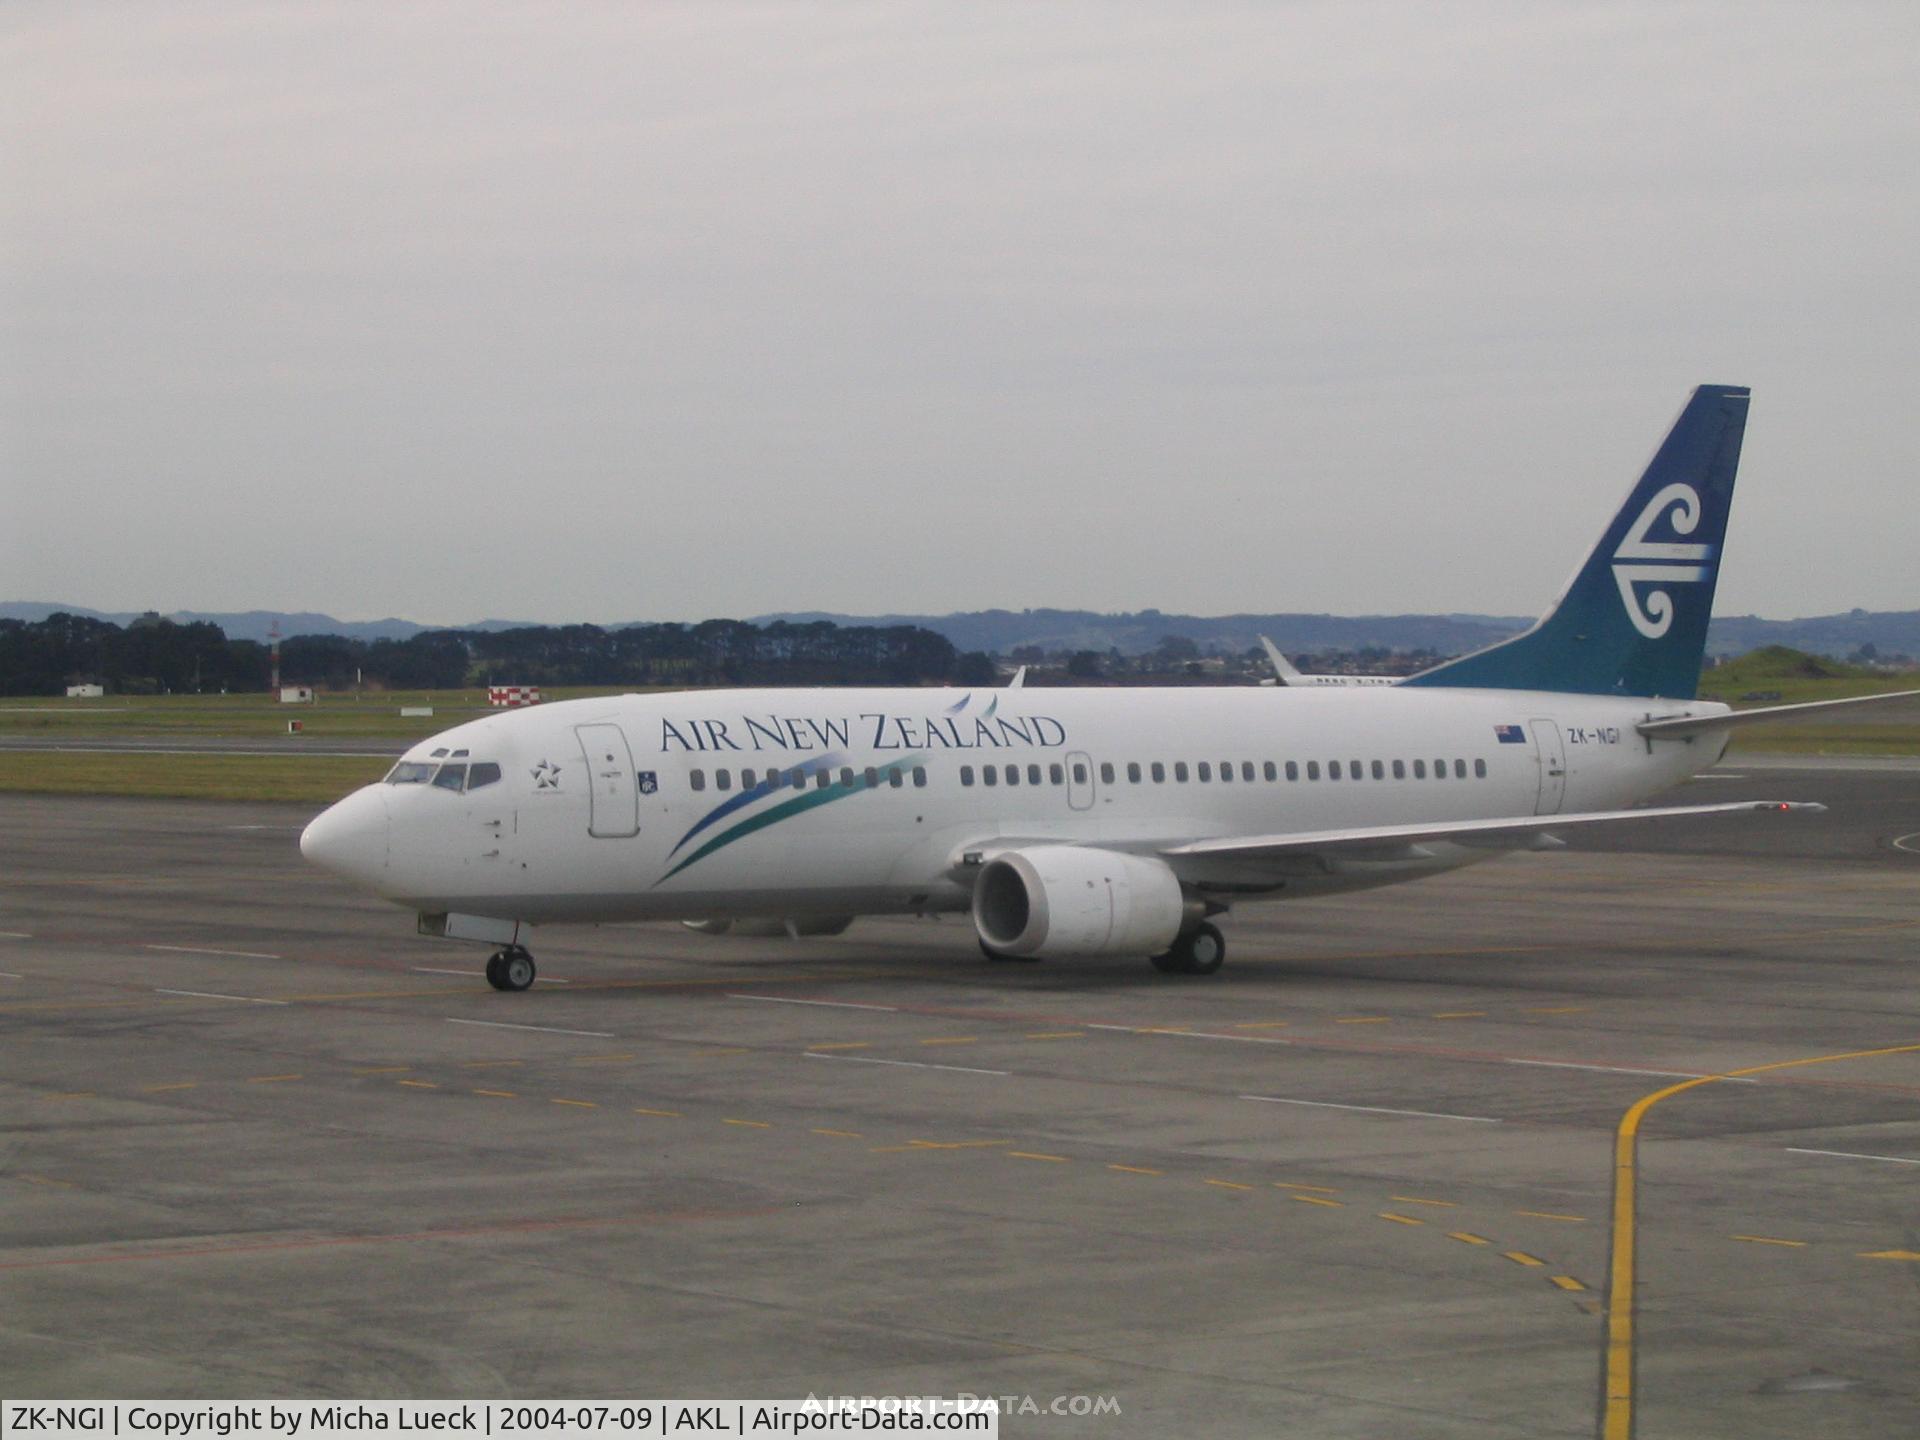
<point x="1074" y="822"/>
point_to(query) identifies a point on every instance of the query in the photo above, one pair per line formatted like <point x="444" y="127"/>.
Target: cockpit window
<point x="450" y="777"/>
<point x="484" y="773"/>
<point x="410" y="772"/>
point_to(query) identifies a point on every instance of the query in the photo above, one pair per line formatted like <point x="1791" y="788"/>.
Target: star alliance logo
<point x="546" y="775"/>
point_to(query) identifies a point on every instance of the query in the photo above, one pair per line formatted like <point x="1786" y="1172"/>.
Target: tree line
<point x="153" y="655"/>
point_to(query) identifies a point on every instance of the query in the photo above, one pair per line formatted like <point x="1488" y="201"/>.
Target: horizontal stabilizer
<point x="1675" y="727"/>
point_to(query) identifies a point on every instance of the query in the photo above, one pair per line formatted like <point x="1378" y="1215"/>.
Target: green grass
<point x="1836" y="738"/>
<point x="254" y="717"/>
<point x="1798" y="677"/>
<point x="314" y="779"/>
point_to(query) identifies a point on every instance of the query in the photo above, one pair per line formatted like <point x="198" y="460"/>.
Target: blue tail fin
<point x="1634" y="620"/>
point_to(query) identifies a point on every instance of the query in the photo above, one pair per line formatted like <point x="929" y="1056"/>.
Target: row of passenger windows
<point x="1205" y="771"/>
<point x="796" y="779"/>
<point x="1055" y="773"/>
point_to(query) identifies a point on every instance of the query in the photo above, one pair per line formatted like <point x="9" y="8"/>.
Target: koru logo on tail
<point x="1643" y="561"/>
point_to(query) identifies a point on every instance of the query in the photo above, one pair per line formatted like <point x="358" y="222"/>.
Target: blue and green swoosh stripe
<point x="799" y="803"/>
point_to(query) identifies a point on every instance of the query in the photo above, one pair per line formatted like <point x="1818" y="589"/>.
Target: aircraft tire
<point x="496" y="964"/>
<point x="517" y="969"/>
<point x="1205" y="950"/>
<point x="1201" y="951"/>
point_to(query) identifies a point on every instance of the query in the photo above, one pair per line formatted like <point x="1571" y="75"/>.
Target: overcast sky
<point x="650" y="311"/>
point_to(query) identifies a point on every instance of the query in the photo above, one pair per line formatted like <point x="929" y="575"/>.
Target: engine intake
<point x="1076" y="900"/>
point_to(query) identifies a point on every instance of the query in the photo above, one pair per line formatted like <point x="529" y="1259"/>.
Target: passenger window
<point x="723" y="779"/>
<point x="1379" y="771"/>
<point x="989" y="774"/>
<point x="1133" y="772"/>
<point x="1459" y="769"/>
<point x="1013" y="774"/>
<point x="1206" y="770"/>
<point x="797" y="778"/>
<point x="1180" y="771"/>
<point x="1293" y="770"/>
<point x="1419" y="769"/>
<point x="920" y="777"/>
<point x="1313" y="769"/>
<point x="1080" y="773"/>
<point x="1033" y="774"/>
<point x="822" y="779"/>
<point x="1226" y="769"/>
<point x="485" y="773"/>
<point x="1399" y="769"/>
<point x="1439" y="769"/>
<point x="1106" y="772"/>
<point x="1246" y="770"/>
<point x="1353" y="769"/>
<point x="1057" y="775"/>
<point x="894" y="777"/>
<point x="746" y="779"/>
<point x="1333" y="769"/>
<point x="696" y="779"/>
<point x="1159" y="773"/>
<point x="1479" y="770"/>
<point x="450" y="777"/>
<point x="410" y="772"/>
<point x="846" y="777"/>
<point x="966" y="775"/>
<point x="872" y="777"/>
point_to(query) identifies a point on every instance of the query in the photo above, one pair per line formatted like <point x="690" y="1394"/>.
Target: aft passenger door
<point x="1548" y="750"/>
<point x="616" y="800"/>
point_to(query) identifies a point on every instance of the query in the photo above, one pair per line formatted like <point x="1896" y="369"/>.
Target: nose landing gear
<point x="511" y="968"/>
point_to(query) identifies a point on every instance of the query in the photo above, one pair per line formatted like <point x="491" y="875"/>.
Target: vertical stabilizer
<point x="1634" y="619"/>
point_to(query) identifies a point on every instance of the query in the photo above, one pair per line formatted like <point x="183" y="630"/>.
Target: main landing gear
<point x="1200" y="951"/>
<point x="510" y="969"/>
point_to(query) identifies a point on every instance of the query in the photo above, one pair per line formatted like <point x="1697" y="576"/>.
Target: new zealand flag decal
<point x="1510" y="734"/>
<point x="648" y="782"/>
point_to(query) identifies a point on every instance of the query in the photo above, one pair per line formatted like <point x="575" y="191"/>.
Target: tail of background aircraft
<point x="1634" y="619"/>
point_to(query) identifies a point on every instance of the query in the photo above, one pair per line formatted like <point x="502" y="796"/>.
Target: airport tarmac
<point x="261" y="1140"/>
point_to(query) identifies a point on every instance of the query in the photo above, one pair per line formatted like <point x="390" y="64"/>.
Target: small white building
<point x="296" y="695"/>
<point x="86" y="692"/>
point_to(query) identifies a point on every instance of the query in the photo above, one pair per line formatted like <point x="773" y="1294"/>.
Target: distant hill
<point x="254" y="624"/>
<point x="1890" y="632"/>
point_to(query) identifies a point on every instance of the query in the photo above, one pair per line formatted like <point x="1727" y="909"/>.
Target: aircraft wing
<point x="1505" y="834"/>
<point x="1674" y="727"/>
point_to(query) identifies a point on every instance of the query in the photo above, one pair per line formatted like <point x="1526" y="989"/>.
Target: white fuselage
<point x="636" y="806"/>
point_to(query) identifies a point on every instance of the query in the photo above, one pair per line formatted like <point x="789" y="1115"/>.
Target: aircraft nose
<point x="350" y="838"/>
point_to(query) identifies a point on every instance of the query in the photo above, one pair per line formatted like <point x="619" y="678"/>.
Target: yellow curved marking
<point x="1616" y="1422"/>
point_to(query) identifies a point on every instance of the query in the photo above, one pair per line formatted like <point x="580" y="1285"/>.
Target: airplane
<point x="1095" y="822"/>
<point x="1285" y="673"/>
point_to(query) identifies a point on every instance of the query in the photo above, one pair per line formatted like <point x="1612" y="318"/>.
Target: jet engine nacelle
<point x="1076" y="900"/>
<point x="762" y="926"/>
